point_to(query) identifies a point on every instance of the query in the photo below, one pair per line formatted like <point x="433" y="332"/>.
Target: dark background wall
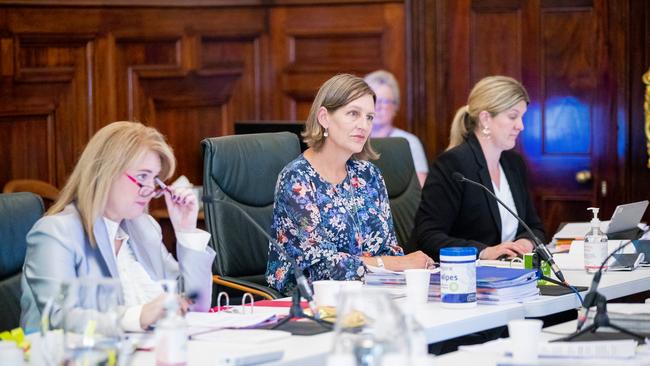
<point x="193" y="68"/>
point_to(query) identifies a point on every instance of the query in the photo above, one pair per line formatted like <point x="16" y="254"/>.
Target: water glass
<point x="369" y="327"/>
<point x="89" y="316"/>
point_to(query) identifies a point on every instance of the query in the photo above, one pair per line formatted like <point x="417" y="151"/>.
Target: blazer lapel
<point x="105" y="247"/>
<point x="484" y="178"/>
<point x="146" y="252"/>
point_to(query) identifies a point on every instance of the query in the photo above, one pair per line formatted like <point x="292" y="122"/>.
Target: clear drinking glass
<point x="89" y="317"/>
<point x="370" y="327"/>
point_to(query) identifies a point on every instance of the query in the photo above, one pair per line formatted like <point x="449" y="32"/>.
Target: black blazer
<point x="455" y="214"/>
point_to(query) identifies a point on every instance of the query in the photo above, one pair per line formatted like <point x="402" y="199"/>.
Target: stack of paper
<point x="395" y="282"/>
<point x="498" y="285"/>
<point x="494" y="285"/>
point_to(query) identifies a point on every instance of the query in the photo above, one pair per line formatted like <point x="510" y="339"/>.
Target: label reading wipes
<point x="458" y="282"/>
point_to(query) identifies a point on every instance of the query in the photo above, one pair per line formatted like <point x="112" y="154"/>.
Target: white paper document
<point x="617" y="349"/>
<point x="223" y="319"/>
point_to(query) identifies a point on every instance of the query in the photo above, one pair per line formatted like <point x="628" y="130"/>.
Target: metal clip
<point x="219" y="306"/>
<point x="251" y="303"/>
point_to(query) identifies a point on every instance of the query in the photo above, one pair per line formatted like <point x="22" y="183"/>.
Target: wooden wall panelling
<point x="428" y="88"/>
<point x="45" y="104"/>
<point x="561" y="52"/>
<point x="193" y="79"/>
<point x="312" y="44"/>
<point x="638" y="174"/>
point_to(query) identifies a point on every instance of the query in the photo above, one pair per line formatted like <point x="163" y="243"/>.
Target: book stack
<point x="501" y="285"/>
<point x="494" y="285"/>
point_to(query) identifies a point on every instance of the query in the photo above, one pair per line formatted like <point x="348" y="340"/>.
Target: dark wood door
<point x="563" y="52"/>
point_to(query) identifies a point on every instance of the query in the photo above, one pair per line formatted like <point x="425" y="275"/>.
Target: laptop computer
<point x="622" y="226"/>
<point x="625" y="221"/>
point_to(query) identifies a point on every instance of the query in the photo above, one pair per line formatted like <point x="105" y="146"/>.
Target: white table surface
<point x="463" y="357"/>
<point x="439" y="324"/>
<point x="612" y="284"/>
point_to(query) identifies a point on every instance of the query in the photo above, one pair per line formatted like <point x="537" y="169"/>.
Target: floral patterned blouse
<point x="326" y="227"/>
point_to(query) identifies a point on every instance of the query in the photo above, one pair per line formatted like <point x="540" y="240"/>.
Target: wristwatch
<point x="380" y="262"/>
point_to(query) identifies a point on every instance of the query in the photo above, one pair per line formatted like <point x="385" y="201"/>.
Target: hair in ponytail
<point x="493" y="94"/>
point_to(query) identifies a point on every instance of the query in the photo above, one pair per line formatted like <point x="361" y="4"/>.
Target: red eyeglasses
<point x="147" y="191"/>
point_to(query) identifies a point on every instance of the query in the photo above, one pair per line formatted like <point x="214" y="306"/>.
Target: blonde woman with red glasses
<point x="99" y="227"/>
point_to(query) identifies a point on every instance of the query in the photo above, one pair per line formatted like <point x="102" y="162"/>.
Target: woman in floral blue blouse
<point x="331" y="208"/>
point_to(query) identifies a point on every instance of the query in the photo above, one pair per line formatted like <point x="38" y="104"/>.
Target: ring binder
<point x="228" y="309"/>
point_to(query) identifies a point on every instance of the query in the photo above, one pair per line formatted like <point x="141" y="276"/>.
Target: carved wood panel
<point x="45" y="86"/>
<point x="561" y="52"/>
<point x="311" y="44"/>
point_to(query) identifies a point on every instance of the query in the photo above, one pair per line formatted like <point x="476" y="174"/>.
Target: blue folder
<point x="498" y="277"/>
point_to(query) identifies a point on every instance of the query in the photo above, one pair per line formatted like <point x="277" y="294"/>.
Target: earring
<point x="326" y="133"/>
<point x="486" y="131"/>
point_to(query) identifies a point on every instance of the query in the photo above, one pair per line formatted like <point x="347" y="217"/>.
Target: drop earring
<point x="326" y="133"/>
<point x="486" y="131"/>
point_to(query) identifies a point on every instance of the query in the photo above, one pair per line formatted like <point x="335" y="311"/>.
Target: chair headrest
<point x="18" y="213"/>
<point x="240" y="165"/>
<point x="395" y="163"/>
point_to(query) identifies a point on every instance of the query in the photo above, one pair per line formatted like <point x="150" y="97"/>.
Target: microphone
<point x="301" y="280"/>
<point x="539" y="247"/>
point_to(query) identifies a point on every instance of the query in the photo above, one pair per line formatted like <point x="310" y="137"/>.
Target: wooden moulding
<point x="646" y="108"/>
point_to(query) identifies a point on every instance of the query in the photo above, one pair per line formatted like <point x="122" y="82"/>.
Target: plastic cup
<point x="417" y="285"/>
<point x="524" y="337"/>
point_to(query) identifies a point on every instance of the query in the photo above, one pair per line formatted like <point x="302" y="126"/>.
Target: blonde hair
<point x="383" y="77"/>
<point x="112" y="150"/>
<point x="334" y="94"/>
<point x="493" y="94"/>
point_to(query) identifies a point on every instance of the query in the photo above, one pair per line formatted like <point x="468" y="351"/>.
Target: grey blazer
<point x="58" y="250"/>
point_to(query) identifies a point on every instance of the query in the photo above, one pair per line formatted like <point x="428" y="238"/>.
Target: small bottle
<point x="595" y="245"/>
<point x="171" y="335"/>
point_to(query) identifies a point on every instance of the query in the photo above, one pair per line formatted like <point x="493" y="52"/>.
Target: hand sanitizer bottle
<point x="171" y="335"/>
<point x="595" y="245"/>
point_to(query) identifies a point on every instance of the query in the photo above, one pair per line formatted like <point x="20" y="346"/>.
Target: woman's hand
<point x="414" y="260"/>
<point x="183" y="208"/>
<point x="508" y="249"/>
<point x="154" y="310"/>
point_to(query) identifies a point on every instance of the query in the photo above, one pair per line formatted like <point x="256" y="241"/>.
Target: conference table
<point x="490" y="355"/>
<point x="438" y="322"/>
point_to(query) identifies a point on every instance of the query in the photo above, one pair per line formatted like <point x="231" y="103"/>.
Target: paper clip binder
<point x="228" y="309"/>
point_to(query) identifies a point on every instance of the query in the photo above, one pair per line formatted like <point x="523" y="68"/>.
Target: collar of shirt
<point x="115" y="232"/>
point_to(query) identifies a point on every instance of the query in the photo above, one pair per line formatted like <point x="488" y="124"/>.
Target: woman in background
<point x="385" y="86"/>
<point x="331" y="209"/>
<point x="483" y="134"/>
<point x="99" y="227"/>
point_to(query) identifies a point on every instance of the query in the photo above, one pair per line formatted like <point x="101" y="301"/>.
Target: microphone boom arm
<point x="539" y="246"/>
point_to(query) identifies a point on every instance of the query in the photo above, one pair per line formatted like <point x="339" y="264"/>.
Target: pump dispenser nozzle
<point x="595" y="222"/>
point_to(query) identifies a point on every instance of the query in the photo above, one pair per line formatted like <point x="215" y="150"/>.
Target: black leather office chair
<point x="18" y="213"/>
<point x="243" y="169"/>
<point x="396" y="165"/>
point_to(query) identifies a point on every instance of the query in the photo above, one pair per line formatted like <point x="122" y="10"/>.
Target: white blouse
<point x="509" y="223"/>
<point x="137" y="286"/>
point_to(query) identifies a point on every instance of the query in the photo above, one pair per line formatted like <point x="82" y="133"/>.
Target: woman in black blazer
<point x="459" y="214"/>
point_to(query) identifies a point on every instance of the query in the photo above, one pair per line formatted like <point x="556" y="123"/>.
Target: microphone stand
<point x="601" y="319"/>
<point x="540" y="248"/>
<point x="302" y="288"/>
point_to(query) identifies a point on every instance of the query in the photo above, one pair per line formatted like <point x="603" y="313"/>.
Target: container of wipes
<point x="458" y="277"/>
